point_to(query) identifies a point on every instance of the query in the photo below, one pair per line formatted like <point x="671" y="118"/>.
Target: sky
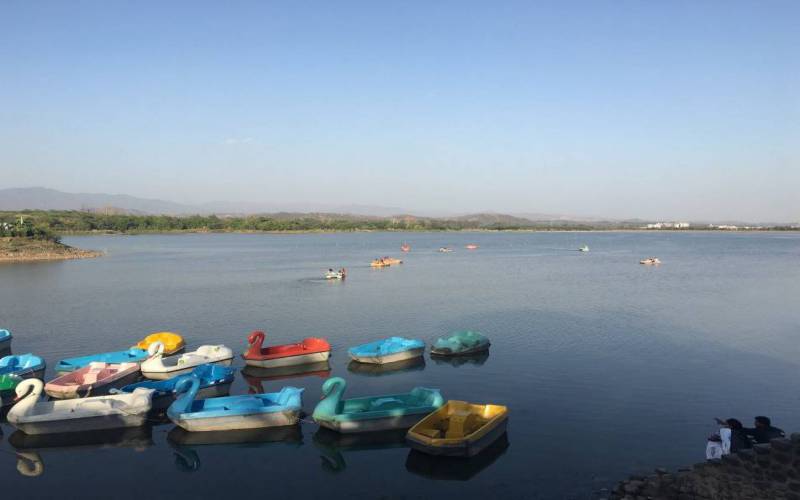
<point x="616" y="108"/>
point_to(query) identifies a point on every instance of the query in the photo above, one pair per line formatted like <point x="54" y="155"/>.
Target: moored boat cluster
<point x="124" y="389"/>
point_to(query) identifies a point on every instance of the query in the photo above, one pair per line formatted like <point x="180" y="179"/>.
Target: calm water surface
<point x="609" y="367"/>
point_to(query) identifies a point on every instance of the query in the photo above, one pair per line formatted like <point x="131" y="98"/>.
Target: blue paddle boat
<point x="132" y="355"/>
<point x="5" y="339"/>
<point x="251" y="411"/>
<point x="22" y="365"/>
<point x="388" y="350"/>
<point x="215" y="380"/>
<point x="373" y="413"/>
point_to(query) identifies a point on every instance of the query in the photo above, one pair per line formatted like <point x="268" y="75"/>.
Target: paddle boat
<point x="156" y="367"/>
<point x="22" y="365"/>
<point x="463" y="343"/>
<point x="310" y="350"/>
<point x="373" y="413"/>
<point x="250" y="411"/>
<point x="459" y="429"/>
<point x="335" y="275"/>
<point x="214" y="380"/>
<point x="405" y="247"/>
<point x="445" y="249"/>
<point x="93" y="380"/>
<point x="650" y="261"/>
<point x="132" y="355"/>
<point x="32" y="416"/>
<point x="471" y="246"/>
<point x="385" y="262"/>
<point x="173" y="343"/>
<point x="5" y="339"/>
<point x="584" y="248"/>
<point x="387" y="350"/>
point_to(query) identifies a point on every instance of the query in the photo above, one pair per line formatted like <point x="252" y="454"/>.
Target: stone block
<point x="762" y="449"/>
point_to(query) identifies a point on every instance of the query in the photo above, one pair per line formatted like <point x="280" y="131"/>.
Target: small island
<point x="22" y="241"/>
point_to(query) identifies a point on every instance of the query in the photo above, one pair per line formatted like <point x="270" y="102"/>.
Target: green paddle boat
<point x="463" y="343"/>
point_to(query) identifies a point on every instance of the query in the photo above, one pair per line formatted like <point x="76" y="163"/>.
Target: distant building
<point x="668" y="225"/>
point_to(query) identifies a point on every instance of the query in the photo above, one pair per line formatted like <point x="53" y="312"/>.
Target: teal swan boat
<point x="463" y="343"/>
<point x="373" y="413"/>
<point x="132" y="355"/>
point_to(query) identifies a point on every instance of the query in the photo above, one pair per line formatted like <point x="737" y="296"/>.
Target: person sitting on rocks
<point x="738" y="439"/>
<point x="763" y="431"/>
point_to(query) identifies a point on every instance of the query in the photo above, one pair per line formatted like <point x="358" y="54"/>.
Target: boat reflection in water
<point x="455" y="468"/>
<point x="472" y="359"/>
<point x="332" y="444"/>
<point x="254" y="375"/>
<point x="29" y="447"/>
<point x="187" y="458"/>
<point x="377" y="370"/>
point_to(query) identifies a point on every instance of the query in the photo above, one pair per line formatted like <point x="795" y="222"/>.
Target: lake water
<point x="608" y="367"/>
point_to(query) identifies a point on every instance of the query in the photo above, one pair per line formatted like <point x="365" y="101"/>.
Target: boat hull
<point x="372" y="425"/>
<point x="465" y="352"/>
<point x="301" y="359"/>
<point x="388" y="358"/>
<point x="461" y="448"/>
<point x="82" y="424"/>
<point x="239" y="422"/>
<point x="72" y="392"/>
<point x="166" y="375"/>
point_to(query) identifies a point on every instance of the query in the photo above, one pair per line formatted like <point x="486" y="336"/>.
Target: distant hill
<point x="39" y="198"/>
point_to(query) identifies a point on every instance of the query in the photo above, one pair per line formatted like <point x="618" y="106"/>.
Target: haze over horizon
<point x="678" y="110"/>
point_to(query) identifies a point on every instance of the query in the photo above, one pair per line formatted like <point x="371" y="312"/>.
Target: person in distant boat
<point x="343" y="272"/>
<point x="763" y="431"/>
<point x="330" y="269"/>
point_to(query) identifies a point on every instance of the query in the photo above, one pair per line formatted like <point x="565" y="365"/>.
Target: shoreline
<point x="14" y="250"/>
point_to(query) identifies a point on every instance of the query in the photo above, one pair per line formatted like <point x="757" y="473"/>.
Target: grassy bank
<point x="18" y="249"/>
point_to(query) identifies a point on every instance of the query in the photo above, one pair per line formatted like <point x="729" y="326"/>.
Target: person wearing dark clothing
<point x="763" y="431"/>
<point x="739" y="440"/>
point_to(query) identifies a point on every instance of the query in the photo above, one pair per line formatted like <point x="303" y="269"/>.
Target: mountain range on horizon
<point x="41" y="198"/>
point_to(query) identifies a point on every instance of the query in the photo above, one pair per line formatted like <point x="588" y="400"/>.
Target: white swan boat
<point x="156" y="367"/>
<point x="33" y="416"/>
<point x="650" y="261"/>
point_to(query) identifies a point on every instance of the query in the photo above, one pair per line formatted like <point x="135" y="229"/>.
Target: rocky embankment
<point x="27" y="250"/>
<point x="768" y="471"/>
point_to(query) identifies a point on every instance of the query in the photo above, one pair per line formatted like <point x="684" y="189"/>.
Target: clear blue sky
<point x="616" y="108"/>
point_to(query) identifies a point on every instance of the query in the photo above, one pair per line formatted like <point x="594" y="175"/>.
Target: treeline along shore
<point x="88" y="222"/>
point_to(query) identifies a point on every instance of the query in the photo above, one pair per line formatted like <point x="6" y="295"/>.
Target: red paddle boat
<point x="310" y="350"/>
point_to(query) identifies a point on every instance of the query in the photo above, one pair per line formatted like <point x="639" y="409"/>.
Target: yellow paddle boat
<point x="172" y="342"/>
<point x="459" y="429"/>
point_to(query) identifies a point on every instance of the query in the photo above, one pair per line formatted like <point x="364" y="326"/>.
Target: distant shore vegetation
<point x="47" y="224"/>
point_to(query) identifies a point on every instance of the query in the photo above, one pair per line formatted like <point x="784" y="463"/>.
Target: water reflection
<point x="373" y="370"/>
<point x="187" y="458"/>
<point x="455" y="468"/>
<point x="28" y="447"/>
<point x="473" y="359"/>
<point x="254" y="376"/>
<point x="331" y="444"/>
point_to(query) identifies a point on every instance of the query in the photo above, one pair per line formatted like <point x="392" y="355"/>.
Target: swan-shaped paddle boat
<point x="387" y="350"/>
<point x="93" y="380"/>
<point x="33" y="416"/>
<point x="132" y="355"/>
<point x="459" y="429"/>
<point x="156" y="367"/>
<point x="310" y="350"/>
<point x="22" y="365"/>
<point x="252" y="411"/>
<point x="373" y="413"/>
<point x="173" y="343"/>
<point x="215" y="380"/>
<point x="650" y="261"/>
<point x="5" y="339"/>
<point x="463" y="343"/>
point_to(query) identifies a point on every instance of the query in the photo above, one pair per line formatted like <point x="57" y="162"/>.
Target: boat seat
<point x="431" y="433"/>
<point x="245" y="404"/>
<point x="461" y="424"/>
<point x="381" y="402"/>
